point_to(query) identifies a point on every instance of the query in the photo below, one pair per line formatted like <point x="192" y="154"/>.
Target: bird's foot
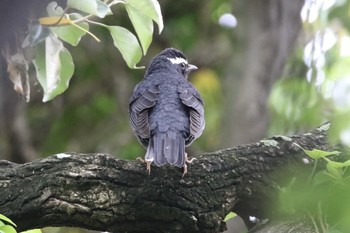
<point x="148" y="164"/>
<point x="187" y="161"/>
<point x="140" y="159"/>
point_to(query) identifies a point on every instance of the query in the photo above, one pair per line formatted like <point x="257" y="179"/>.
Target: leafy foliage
<point x="316" y="86"/>
<point x="53" y="75"/>
<point x="53" y="62"/>
<point x="8" y="226"/>
<point x="323" y="197"/>
<point x="127" y="44"/>
<point x="295" y="105"/>
<point x="5" y="219"/>
<point x="230" y="216"/>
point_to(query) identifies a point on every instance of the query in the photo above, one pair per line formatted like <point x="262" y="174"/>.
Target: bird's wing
<point x="140" y="103"/>
<point x="192" y="99"/>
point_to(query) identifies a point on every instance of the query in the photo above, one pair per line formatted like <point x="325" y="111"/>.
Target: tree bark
<point x="100" y="192"/>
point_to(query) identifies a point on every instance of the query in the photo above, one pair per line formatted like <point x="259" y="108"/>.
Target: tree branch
<point x="100" y="192"/>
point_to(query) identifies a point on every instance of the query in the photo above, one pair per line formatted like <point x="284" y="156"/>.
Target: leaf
<point x="317" y="154"/>
<point x="127" y="44"/>
<point x="150" y="8"/>
<point x="37" y="33"/>
<point x="94" y="7"/>
<point x="53" y="47"/>
<point x="70" y="33"/>
<point x="7" y="229"/>
<point x="54" y="20"/>
<point x="143" y="26"/>
<point x="32" y="231"/>
<point x="229" y="216"/>
<point x="333" y="170"/>
<point x="6" y="219"/>
<point x="54" y="66"/>
<point x="53" y="9"/>
<point x="338" y="164"/>
<point x="346" y="163"/>
<point x="321" y="178"/>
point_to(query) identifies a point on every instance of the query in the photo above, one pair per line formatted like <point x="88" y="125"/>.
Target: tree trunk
<point x="100" y="192"/>
<point x="265" y="35"/>
<point x="15" y="135"/>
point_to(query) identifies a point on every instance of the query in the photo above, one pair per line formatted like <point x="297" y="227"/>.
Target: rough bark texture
<point x="98" y="191"/>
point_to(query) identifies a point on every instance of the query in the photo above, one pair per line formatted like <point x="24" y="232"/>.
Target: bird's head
<point x="173" y="59"/>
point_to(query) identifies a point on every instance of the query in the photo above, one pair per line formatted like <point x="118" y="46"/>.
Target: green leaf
<point x="6" y="219"/>
<point x="334" y="170"/>
<point x="7" y="229"/>
<point x="317" y="154"/>
<point x="338" y="164"/>
<point x="54" y="67"/>
<point x="346" y="163"/>
<point x="127" y="44"/>
<point x="229" y="216"/>
<point x="321" y="178"/>
<point x="32" y="231"/>
<point x="150" y="8"/>
<point x="143" y="26"/>
<point x="53" y="9"/>
<point x="94" y="7"/>
<point x="70" y="33"/>
<point x="37" y="33"/>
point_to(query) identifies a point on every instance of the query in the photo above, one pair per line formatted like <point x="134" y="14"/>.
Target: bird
<point x="166" y="111"/>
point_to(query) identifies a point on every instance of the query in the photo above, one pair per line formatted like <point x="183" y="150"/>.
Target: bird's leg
<point x="148" y="164"/>
<point x="140" y="159"/>
<point x="187" y="161"/>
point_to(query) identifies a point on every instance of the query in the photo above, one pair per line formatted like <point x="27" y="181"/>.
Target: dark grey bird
<point x="166" y="111"/>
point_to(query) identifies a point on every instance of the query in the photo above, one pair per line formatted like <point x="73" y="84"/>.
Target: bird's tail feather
<point x="169" y="148"/>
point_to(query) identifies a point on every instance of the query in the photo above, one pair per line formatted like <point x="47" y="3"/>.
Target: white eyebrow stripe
<point x="178" y="60"/>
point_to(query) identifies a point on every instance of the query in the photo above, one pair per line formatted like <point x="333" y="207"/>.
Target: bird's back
<point x="169" y="123"/>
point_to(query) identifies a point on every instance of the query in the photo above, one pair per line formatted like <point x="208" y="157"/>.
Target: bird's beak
<point x="190" y="68"/>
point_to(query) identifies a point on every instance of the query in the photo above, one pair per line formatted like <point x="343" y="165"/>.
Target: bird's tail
<point x="166" y="148"/>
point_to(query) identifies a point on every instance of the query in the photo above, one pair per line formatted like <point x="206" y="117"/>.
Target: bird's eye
<point x="183" y="64"/>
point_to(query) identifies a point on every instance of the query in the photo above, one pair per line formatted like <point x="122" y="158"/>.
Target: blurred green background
<point x="269" y="67"/>
<point x="262" y="72"/>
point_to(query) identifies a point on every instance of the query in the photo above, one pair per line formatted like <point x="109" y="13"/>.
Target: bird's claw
<point x="187" y="161"/>
<point x="148" y="164"/>
<point x="140" y="159"/>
